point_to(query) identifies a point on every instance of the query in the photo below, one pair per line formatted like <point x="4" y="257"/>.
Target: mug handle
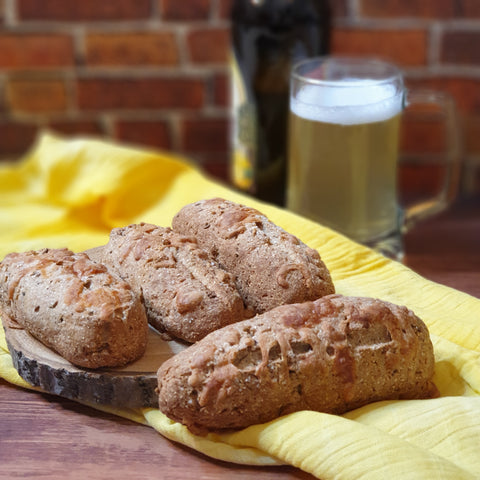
<point x="442" y="151"/>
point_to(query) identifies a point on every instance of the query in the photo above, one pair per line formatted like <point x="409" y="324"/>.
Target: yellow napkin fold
<point x="72" y="192"/>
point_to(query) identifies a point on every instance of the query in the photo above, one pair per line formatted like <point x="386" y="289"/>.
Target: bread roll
<point x="75" y="306"/>
<point x="271" y="267"/>
<point x="331" y="355"/>
<point x="186" y="294"/>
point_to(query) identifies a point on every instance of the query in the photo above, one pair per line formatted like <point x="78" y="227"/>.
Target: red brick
<point x="225" y="9"/>
<point x="423" y="144"/>
<point x="151" y="133"/>
<point x="406" y="47"/>
<point x="465" y="91"/>
<point x="185" y="10"/>
<point x="425" y="8"/>
<point x="424" y="126"/>
<point x="418" y="182"/>
<point x="131" y="49"/>
<point x="221" y="90"/>
<point x="16" y="138"/>
<point x="472" y="134"/>
<point x="427" y="135"/>
<point x="204" y="135"/>
<point x="140" y="93"/>
<point x="209" y="46"/>
<point x="35" y="51"/>
<point x="80" y="10"/>
<point x="35" y="96"/>
<point x="77" y="127"/>
<point x="461" y="47"/>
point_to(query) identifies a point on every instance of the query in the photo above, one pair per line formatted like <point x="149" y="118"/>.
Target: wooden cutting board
<point x="130" y="386"/>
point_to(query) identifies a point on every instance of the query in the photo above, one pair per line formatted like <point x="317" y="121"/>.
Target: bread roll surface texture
<point x="75" y="306"/>
<point x="271" y="267"/>
<point x="331" y="355"/>
<point x="186" y="294"/>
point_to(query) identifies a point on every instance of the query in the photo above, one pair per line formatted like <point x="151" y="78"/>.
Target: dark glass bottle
<point x="268" y="36"/>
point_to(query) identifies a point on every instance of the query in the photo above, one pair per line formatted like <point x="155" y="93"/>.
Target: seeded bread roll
<point x="75" y="306"/>
<point x="331" y="355"/>
<point x="271" y="267"/>
<point x="186" y="294"/>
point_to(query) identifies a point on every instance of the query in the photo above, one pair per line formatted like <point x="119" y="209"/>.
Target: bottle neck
<point x="282" y="14"/>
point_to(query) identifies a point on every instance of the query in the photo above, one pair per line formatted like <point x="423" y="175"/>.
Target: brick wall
<point x="154" y="72"/>
<point x="149" y="72"/>
<point x="437" y="44"/>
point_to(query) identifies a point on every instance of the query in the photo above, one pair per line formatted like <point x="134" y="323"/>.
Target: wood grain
<point x="49" y="437"/>
<point x="130" y="386"/>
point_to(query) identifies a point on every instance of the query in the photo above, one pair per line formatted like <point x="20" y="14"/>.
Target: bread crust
<point x="271" y="267"/>
<point x="331" y="355"/>
<point x="75" y="306"/>
<point x="185" y="293"/>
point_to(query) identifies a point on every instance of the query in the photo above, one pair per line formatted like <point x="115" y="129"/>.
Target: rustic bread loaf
<point x="186" y="294"/>
<point x="331" y="355"/>
<point x="271" y="267"/>
<point x="75" y="306"/>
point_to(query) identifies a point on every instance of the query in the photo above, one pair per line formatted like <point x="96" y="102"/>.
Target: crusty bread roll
<point x="75" y="306"/>
<point x="271" y="267"/>
<point x="331" y="355"/>
<point x="186" y="294"/>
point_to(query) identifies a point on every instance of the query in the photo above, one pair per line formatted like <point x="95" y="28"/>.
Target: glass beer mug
<point x="344" y="133"/>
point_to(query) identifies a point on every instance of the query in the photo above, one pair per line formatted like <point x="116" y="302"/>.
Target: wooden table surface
<point x="43" y="436"/>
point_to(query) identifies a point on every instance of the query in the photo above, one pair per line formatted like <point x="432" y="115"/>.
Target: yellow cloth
<point x="72" y="192"/>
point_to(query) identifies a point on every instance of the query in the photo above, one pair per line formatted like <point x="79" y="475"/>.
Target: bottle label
<point x="244" y="130"/>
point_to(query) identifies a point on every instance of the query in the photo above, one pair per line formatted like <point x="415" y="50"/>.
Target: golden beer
<point x="344" y="122"/>
<point x="343" y="162"/>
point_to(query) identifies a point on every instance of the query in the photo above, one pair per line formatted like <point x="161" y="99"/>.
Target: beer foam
<point x="352" y="102"/>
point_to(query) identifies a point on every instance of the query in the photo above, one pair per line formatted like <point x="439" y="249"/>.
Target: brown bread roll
<point x="75" y="306"/>
<point x="185" y="293"/>
<point x="271" y="267"/>
<point x="331" y="355"/>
